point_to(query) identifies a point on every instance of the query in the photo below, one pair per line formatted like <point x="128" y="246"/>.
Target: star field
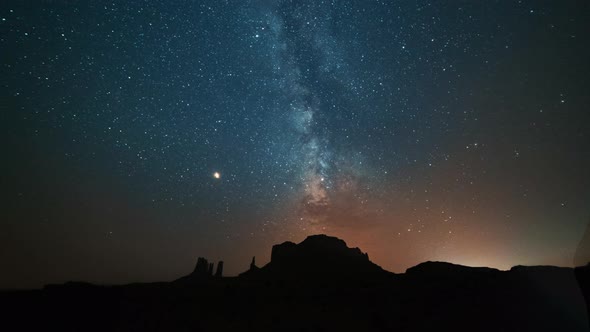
<point x="140" y="135"/>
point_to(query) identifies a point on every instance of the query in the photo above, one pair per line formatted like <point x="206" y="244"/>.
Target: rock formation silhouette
<point x="202" y="267"/>
<point x="251" y="271"/>
<point x="318" y="258"/>
<point x="219" y="271"/>
<point x="203" y="271"/>
<point x="253" y="264"/>
<point x="319" y="284"/>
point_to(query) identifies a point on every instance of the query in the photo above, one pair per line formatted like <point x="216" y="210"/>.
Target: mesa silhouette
<point x="319" y="284"/>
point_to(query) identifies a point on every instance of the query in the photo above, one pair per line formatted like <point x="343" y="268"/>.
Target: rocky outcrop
<point x="202" y="267"/>
<point x="253" y="264"/>
<point x="203" y="271"/>
<point x="318" y="257"/>
<point x="283" y="251"/>
<point x="316" y="246"/>
<point x="252" y="271"/>
<point x="219" y="271"/>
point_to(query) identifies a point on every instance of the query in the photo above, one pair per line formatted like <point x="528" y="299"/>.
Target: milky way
<point x="307" y="67"/>
<point x="304" y="104"/>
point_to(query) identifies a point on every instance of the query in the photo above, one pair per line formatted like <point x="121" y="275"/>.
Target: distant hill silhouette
<point x="444" y="271"/>
<point x="319" y="284"/>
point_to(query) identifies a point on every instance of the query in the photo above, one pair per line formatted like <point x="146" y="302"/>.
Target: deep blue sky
<point x="416" y="130"/>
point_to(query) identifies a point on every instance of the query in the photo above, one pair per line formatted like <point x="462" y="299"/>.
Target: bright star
<point x="217" y="175"/>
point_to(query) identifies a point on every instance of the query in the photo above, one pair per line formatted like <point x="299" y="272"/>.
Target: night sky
<point x="137" y="136"/>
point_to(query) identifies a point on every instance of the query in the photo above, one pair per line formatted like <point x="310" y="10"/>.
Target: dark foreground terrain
<point x="317" y="285"/>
